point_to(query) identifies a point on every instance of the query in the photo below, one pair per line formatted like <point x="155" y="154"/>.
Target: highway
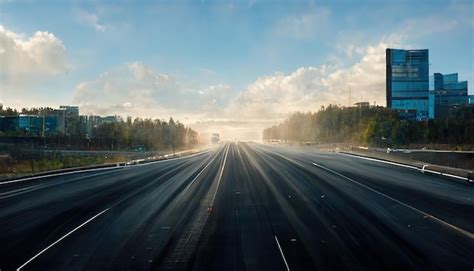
<point x="240" y="206"/>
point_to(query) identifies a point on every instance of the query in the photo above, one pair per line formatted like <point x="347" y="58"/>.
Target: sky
<point x="231" y="67"/>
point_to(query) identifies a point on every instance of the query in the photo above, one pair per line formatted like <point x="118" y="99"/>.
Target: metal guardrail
<point x="388" y="150"/>
<point x="59" y="171"/>
<point x="109" y="165"/>
<point x="451" y="173"/>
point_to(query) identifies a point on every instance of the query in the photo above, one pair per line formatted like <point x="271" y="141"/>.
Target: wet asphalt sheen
<point x="240" y="206"/>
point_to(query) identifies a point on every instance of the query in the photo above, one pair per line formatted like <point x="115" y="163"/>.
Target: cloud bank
<point x="138" y="90"/>
<point x="39" y="55"/>
<point x="135" y="89"/>
<point x="25" y="63"/>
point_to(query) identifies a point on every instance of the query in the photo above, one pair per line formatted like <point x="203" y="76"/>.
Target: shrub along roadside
<point x="24" y="161"/>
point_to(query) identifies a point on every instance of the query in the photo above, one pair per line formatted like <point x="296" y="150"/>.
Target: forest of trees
<point x="8" y="111"/>
<point x="143" y="134"/>
<point x="374" y="126"/>
<point x="130" y="134"/>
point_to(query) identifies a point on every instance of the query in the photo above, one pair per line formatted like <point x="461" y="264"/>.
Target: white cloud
<point x="309" y="88"/>
<point x="40" y="55"/>
<point x="26" y="63"/>
<point x="364" y="81"/>
<point x="351" y="50"/>
<point x="272" y="97"/>
<point x="131" y="88"/>
<point x="136" y="89"/>
<point x="91" y="20"/>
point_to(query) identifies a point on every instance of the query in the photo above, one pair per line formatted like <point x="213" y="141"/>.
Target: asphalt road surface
<point x="240" y="206"/>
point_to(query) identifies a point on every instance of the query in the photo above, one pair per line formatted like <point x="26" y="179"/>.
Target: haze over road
<point x="240" y="206"/>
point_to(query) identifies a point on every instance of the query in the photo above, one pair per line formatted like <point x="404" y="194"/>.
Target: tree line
<point x="143" y="134"/>
<point x="130" y="134"/>
<point x="374" y="126"/>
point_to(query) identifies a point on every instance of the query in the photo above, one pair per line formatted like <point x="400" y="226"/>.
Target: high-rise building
<point x="448" y="93"/>
<point x="55" y="121"/>
<point x="407" y="82"/>
<point x="71" y="119"/>
<point x="8" y="123"/>
<point x="30" y="123"/>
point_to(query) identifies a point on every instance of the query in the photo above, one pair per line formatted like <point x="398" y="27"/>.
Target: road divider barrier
<point x="72" y="170"/>
<point x="451" y="173"/>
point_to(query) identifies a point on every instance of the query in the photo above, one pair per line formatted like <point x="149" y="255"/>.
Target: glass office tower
<point x="407" y="82"/>
<point x="448" y="92"/>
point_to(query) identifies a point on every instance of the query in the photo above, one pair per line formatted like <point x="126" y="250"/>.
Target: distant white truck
<point x="215" y="139"/>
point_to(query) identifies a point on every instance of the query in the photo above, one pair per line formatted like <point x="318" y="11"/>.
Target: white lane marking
<point x="170" y="159"/>
<point x="380" y="161"/>
<point x="8" y="193"/>
<point x="195" y="178"/>
<point x="58" y="174"/>
<point x="282" y="255"/>
<point x="59" y="240"/>
<point x="442" y="222"/>
<point x="422" y="170"/>
<point x="39" y="186"/>
<point x="446" y="174"/>
<point x="220" y="177"/>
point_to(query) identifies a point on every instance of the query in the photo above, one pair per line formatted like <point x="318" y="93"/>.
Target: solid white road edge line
<point x="380" y="161"/>
<point x="58" y="174"/>
<point x="406" y="166"/>
<point x="59" y="240"/>
<point x="170" y="159"/>
<point x="282" y="255"/>
<point x="446" y="174"/>
<point x="35" y="186"/>
<point x="442" y="222"/>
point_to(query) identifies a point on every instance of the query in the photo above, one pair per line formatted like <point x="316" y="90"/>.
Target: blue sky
<point x="221" y="61"/>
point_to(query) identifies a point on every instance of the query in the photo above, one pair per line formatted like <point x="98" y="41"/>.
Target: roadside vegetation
<point x="129" y="134"/>
<point x="25" y="152"/>
<point x="374" y="126"/>
<point x="21" y="161"/>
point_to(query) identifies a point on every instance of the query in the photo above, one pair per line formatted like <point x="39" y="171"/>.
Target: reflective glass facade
<point x="30" y="123"/>
<point x="407" y="85"/>
<point x="448" y="92"/>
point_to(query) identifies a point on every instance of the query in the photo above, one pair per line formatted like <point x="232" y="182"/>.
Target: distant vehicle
<point x="215" y="138"/>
